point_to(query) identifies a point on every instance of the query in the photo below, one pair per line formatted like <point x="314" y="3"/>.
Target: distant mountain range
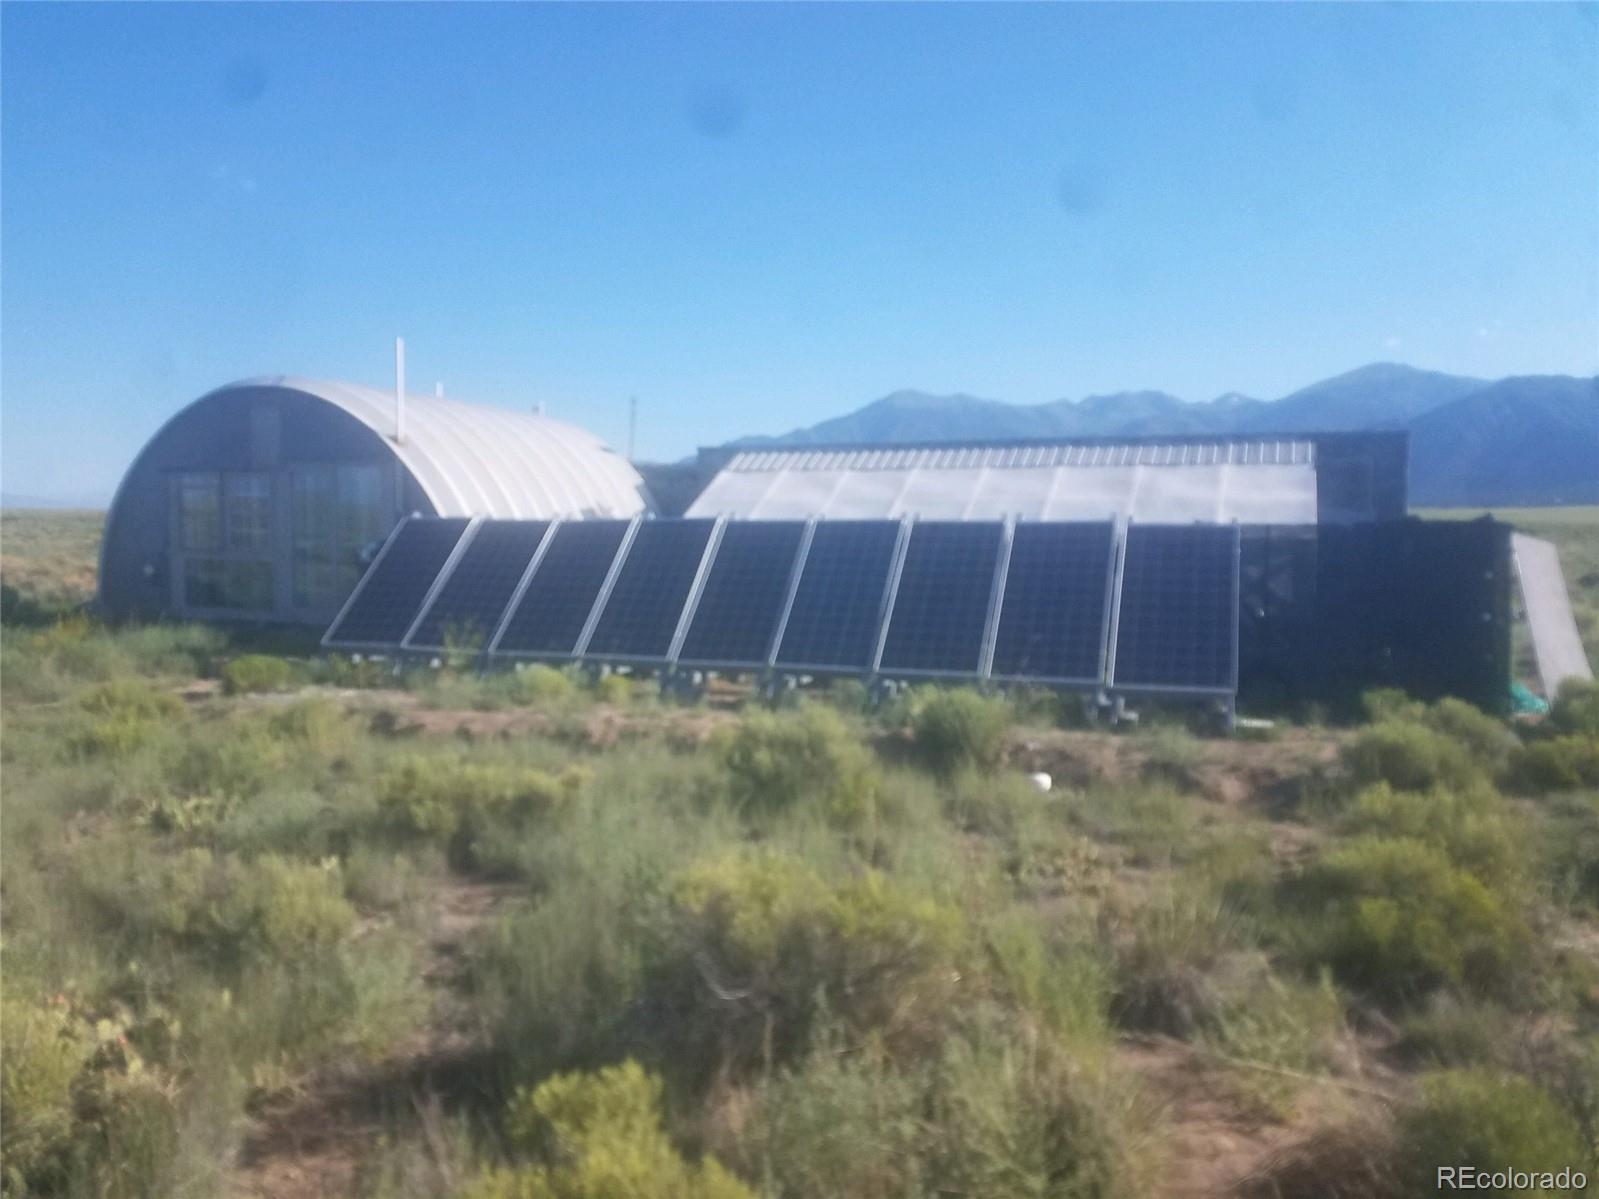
<point x="1473" y="442"/>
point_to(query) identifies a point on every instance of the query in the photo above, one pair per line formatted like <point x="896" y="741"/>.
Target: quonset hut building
<point x="264" y="500"/>
<point x="1267" y="567"/>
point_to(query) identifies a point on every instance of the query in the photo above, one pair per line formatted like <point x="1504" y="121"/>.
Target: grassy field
<point x="292" y="928"/>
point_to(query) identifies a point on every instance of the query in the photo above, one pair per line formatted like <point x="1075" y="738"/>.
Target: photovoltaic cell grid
<point x="383" y="608"/>
<point x="470" y="604"/>
<point x="1052" y="618"/>
<point x="742" y="600"/>
<point x="838" y="604"/>
<point x="647" y="600"/>
<point x="1179" y="609"/>
<point x="941" y="608"/>
<point x="562" y="591"/>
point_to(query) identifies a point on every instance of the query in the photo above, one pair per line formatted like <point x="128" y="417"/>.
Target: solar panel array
<point x="384" y="603"/>
<point x="1061" y="603"/>
<point x="468" y="607"/>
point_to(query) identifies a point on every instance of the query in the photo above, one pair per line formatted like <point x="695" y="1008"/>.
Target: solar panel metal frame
<point x="587" y="628"/>
<point x="994" y="583"/>
<point x="1107" y="617"/>
<point x="1225" y="690"/>
<point x="685" y="613"/>
<point x="328" y="641"/>
<point x="890" y="580"/>
<point x="790" y="586"/>
<point x="409" y="642"/>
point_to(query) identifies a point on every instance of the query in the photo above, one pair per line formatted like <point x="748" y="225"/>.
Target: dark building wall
<point x="265" y="429"/>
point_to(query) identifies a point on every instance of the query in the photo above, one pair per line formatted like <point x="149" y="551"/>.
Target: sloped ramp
<point x="1555" y="642"/>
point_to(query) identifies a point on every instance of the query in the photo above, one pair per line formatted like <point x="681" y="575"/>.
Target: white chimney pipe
<point x="399" y="391"/>
<point x="438" y="391"/>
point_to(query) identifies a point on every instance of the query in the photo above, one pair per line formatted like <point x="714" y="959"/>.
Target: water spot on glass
<point x="715" y="112"/>
<point x="1080" y="189"/>
<point x="244" y="79"/>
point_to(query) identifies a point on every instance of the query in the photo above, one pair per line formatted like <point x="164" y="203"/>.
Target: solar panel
<point x="561" y="594"/>
<point x="641" y="615"/>
<point x="837" y="607"/>
<point x="1052" y="617"/>
<point x="1178" y="621"/>
<point x="469" y="606"/>
<point x="385" y="601"/>
<point x="941" y="608"/>
<point x="742" y="599"/>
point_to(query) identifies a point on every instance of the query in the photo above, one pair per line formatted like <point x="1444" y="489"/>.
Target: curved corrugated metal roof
<point x="473" y="460"/>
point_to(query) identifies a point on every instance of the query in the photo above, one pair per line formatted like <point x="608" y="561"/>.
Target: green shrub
<point x="1065" y="986"/>
<point x="600" y="1137"/>
<point x="777" y="760"/>
<point x="1485" y="738"/>
<point x="1408" y="757"/>
<point x="838" y="1123"/>
<point x="130" y="697"/>
<point x="318" y="723"/>
<point x="1576" y="708"/>
<point x="1456" y="1030"/>
<point x="1495" y="1122"/>
<point x="1012" y="1117"/>
<point x="540" y="684"/>
<point x="959" y="728"/>
<point x="618" y="689"/>
<point x="1472" y="827"/>
<point x="45" y="1048"/>
<point x="762" y="942"/>
<point x="1166" y="957"/>
<point x="1383" y="704"/>
<point x="1558" y="764"/>
<point x="1396" y="916"/>
<point x="1571" y="847"/>
<point x="254" y="673"/>
<point x="453" y="801"/>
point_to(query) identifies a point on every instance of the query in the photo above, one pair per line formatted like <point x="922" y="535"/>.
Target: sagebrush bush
<point x="778" y="760"/>
<point x="540" y="684"/>
<point x="955" y="728"/>
<point x="1381" y="704"/>
<point x="1576" y="708"/>
<point x="1166" y="957"/>
<point x="1013" y="1117"/>
<point x="1473" y="827"/>
<point x="761" y="942"/>
<point x="618" y="689"/>
<point x="1492" y="1121"/>
<point x="1409" y="757"/>
<point x="599" y="1136"/>
<point x="1396" y="916"/>
<point x="1557" y="764"/>
<point x="131" y="697"/>
<point x="453" y="802"/>
<point x="45" y="1048"/>
<point x="253" y="673"/>
<point x="1571" y="847"/>
<point x="1487" y="739"/>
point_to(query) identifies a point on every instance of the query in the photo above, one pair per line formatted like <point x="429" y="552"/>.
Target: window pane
<point x="199" y="511"/>
<point x="248" y="586"/>
<point x="314" y="520"/>
<point x="248" y="510"/>
<point x="202" y="583"/>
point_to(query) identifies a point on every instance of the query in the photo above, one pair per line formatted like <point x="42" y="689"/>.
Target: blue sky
<point x="755" y="217"/>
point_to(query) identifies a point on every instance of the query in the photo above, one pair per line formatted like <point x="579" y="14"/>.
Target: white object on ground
<point x="1041" y="781"/>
